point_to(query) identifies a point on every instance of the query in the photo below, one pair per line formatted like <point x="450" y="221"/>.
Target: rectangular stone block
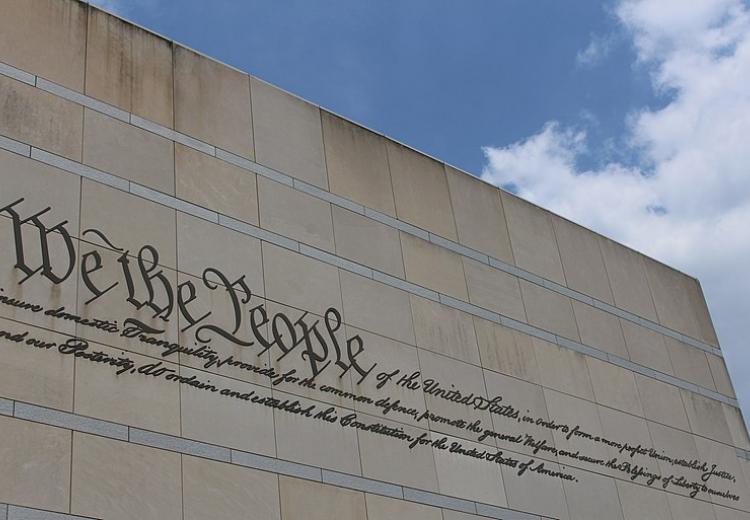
<point x="357" y="164"/>
<point x="563" y="370"/>
<point x="368" y="242"/>
<point x="506" y="351"/>
<point x="288" y="134"/>
<point x="493" y="289"/>
<point x="128" y="152"/>
<point x="33" y="457"/>
<point x="421" y="191"/>
<point x="627" y="276"/>
<point x="382" y="508"/>
<point x="689" y="363"/>
<point x="480" y="219"/>
<point x="296" y="215"/>
<point x="444" y="330"/>
<point x="532" y="238"/>
<point x="103" y="484"/>
<point x="599" y="329"/>
<point x="646" y="347"/>
<point x="313" y="501"/>
<point x="433" y="267"/>
<point x="225" y="492"/>
<point x="40" y="119"/>
<point x="549" y="311"/>
<point x="212" y="103"/>
<point x="53" y="35"/>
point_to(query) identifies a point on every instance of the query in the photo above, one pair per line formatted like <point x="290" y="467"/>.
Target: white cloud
<point x="596" y="51"/>
<point x="689" y="202"/>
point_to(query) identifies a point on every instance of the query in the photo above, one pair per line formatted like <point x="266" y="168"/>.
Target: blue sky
<point x="630" y="117"/>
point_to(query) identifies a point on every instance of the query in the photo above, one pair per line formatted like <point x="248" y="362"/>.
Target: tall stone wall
<point x="218" y="301"/>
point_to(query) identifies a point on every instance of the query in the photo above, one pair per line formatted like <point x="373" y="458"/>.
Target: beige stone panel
<point x="392" y="460"/>
<point x="528" y="400"/>
<point x="35" y="462"/>
<point x="507" y="351"/>
<point x="129" y="152"/>
<point x="202" y="244"/>
<point x="53" y="36"/>
<point x="627" y="277"/>
<point x="421" y="191"/>
<point x="669" y="289"/>
<point x="37" y="290"/>
<point x="646" y="347"/>
<point x="109" y="59"/>
<point x="440" y="372"/>
<point x="216" y="184"/>
<point x="493" y="289"/>
<point x="582" y="259"/>
<point x="574" y="412"/>
<point x="226" y="492"/>
<point x="706" y="417"/>
<point x="226" y="420"/>
<point x="689" y="363"/>
<point x="563" y="369"/>
<point x="305" y="500"/>
<point x="629" y="431"/>
<point x="315" y="441"/>
<point x="662" y="402"/>
<point x="641" y="502"/>
<point x="140" y="400"/>
<point x="237" y="356"/>
<point x="720" y="375"/>
<point x="212" y="102"/>
<point x="153" y="85"/>
<point x="684" y="508"/>
<point x="384" y="508"/>
<point x="128" y="222"/>
<point x="533" y="238"/>
<point x="725" y="458"/>
<point x="376" y="307"/>
<point x="288" y="134"/>
<point x="614" y="386"/>
<point x="40" y="119"/>
<point x="104" y="485"/>
<point x="300" y="281"/>
<point x="357" y="164"/>
<point x="678" y="445"/>
<point x="35" y="374"/>
<point x="737" y="427"/>
<point x="368" y="242"/>
<point x="600" y="329"/>
<point x="113" y="306"/>
<point x="534" y="492"/>
<point x="444" y="330"/>
<point x="434" y="267"/>
<point x="300" y="364"/>
<point x="593" y="497"/>
<point x="389" y="355"/>
<point x="468" y="477"/>
<point x="294" y="214"/>
<point x="699" y="305"/>
<point x="724" y="513"/>
<point x="21" y="177"/>
<point x="479" y="215"/>
<point x="549" y="310"/>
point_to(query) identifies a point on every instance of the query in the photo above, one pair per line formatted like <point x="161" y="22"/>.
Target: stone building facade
<point x="219" y="301"/>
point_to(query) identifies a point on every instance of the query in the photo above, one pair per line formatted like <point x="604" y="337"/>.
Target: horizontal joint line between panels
<point x="82" y="424"/>
<point x="337" y="200"/>
<point x="170" y="201"/>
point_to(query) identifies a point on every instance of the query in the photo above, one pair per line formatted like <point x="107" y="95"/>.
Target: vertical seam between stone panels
<point x="393" y="188"/>
<point x="557" y="246"/>
<point x="424" y="397"/>
<point x="505" y="220"/>
<point x="606" y="272"/>
<point x="450" y="204"/>
<point x="252" y="115"/>
<point x="182" y="485"/>
<point x="651" y="294"/>
<point x="325" y="157"/>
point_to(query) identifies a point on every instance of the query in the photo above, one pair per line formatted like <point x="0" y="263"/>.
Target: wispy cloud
<point x="598" y="50"/>
<point x="688" y="203"/>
